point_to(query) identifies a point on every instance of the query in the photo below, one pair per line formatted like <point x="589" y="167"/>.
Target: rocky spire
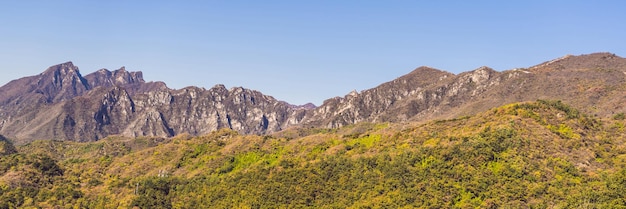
<point x="118" y="77"/>
<point x="61" y="82"/>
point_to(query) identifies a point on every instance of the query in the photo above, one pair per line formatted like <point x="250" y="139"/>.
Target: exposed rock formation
<point x="595" y="83"/>
<point x="62" y="104"/>
<point x="72" y="107"/>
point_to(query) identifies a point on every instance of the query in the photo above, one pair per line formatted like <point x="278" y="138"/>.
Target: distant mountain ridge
<point x="595" y="83"/>
<point x="62" y="104"/>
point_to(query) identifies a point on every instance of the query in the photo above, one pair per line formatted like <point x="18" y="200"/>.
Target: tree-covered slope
<point x="542" y="154"/>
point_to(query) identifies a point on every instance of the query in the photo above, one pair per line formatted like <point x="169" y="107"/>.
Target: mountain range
<point x="62" y="104"/>
<point x="428" y="139"/>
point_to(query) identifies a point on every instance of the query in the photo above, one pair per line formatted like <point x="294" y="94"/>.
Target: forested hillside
<point x="541" y="154"/>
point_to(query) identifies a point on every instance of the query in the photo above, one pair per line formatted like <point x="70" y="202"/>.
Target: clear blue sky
<point x="300" y="51"/>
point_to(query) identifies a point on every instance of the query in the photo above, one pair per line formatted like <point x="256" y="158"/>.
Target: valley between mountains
<point x="545" y="136"/>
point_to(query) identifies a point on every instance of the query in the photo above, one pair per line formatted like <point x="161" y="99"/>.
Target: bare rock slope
<point x="62" y="104"/>
<point x="594" y="83"/>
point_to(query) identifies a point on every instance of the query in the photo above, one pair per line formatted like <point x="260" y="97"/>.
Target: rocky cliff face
<point x="106" y="78"/>
<point x="106" y="103"/>
<point x="595" y="83"/>
<point x="373" y="104"/>
<point x="420" y="94"/>
<point x="57" y="83"/>
<point x="62" y="104"/>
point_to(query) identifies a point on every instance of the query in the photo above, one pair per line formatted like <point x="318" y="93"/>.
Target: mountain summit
<point x="104" y="77"/>
<point x="57" y="83"/>
<point x="595" y="83"/>
<point x="62" y="104"/>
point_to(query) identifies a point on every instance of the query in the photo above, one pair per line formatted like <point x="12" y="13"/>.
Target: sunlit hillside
<point x="541" y="154"/>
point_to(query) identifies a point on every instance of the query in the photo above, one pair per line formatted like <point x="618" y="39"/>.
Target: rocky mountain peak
<point x="57" y="74"/>
<point x="602" y="60"/>
<point x="61" y="82"/>
<point x="374" y="104"/>
<point x="56" y="83"/>
<point x="66" y="67"/>
<point x="424" y="71"/>
<point x="120" y="77"/>
<point x="237" y="89"/>
<point x="124" y="77"/>
<point x="485" y="68"/>
<point x="307" y="106"/>
<point x="480" y="74"/>
<point x="353" y="93"/>
<point x="61" y="104"/>
<point x="220" y="87"/>
<point x="423" y="74"/>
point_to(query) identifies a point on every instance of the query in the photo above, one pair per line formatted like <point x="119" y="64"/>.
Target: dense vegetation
<point x="539" y="155"/>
